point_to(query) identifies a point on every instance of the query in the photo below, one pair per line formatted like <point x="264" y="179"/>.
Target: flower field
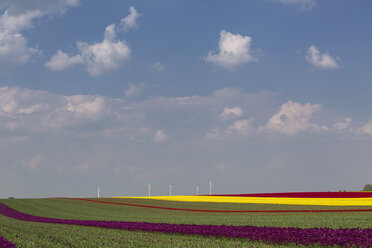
<point x="353" y="237"/>
<point x="129" y="222"/>
<point x="223" y="211"/>
<point x="308" y="198"/>
<point x="4" y="243"/>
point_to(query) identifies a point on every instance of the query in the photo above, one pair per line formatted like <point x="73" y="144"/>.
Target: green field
<point x="27" y="234"/>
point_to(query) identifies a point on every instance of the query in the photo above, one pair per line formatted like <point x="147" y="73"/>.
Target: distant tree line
<point x="367" y="187"/>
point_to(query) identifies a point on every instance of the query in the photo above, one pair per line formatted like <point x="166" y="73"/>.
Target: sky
<point x="255" y="96"/>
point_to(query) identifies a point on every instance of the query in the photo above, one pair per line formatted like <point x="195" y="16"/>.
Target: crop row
<point x="4" y="243"/>
<point x="353" y="237"/>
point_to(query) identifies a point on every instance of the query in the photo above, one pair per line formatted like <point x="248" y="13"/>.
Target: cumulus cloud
<point x="157" y="66"/>
<point x="130" y="21"/>
<point x="76" y="109"/>
<point x="342" y="125"/>
<point x="34" y="108"/>
<point x="231" y="113"/>
<point x="61" y="61"/>
<point x="239" y="128"/>
<point x="234" y="50"/>
<point x="293" y="118"/>
<point x="105" y="56"/>
<point x="134" y="90"/>
<point x="23" y="109"/>
<point x="303" y="4"/>
<point x="367" y="128"/>
<point x="160" y="136"/>
<point x="98" y="58"/>
<point x="321" y="60"/>
<point x="13" y="46"/>
<point x="18" y="16"/>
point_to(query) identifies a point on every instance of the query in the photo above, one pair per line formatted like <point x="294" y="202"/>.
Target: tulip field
<point x="320" y="219"/>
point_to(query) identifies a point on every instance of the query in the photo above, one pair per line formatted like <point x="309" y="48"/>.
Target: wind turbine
<point x="210" y="187"/>
<point x="98" y="191"/>
<point x="170" y="189"/>
<point x="197" y="190"/>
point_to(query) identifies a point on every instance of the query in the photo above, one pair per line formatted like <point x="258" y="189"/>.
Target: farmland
<point x="33" y="234"/>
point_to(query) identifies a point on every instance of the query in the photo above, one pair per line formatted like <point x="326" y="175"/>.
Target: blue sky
<point x="254" y="95"/>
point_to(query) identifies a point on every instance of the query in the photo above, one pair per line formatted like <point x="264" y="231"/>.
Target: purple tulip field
<point x="4" y="243"/>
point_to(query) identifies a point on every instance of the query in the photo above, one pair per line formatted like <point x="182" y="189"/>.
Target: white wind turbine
<point x="149" y="189"/>
<point x="210" y="187"/>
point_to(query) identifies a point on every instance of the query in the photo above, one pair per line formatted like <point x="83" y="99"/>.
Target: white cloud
<point x="80" y="105"/>
<point x="234" y="50"/>
<point x="47" y="7"/>
<point x="130" y="21"/>
<point x="134" y="90"/>
<point x="103" y="57"/>
<point x="231" y="113"/>
<point x="367" y="128"/>
<point x="293" y="118"/>
<point x="26" y="112"/>
<point x="321" y="60"/>
<point x="72" y="3"/>
<point x="160" y="136"/>
<point x="18" y="16"/>
<point x="13" y="46"/>
<point x="110" y="33"/>
<point x="34" y="108"/>
<point x="157" y="66"/>
<point x="61" y="61"/>
<point x="239" y="128"/>
<point x="342" y="125"/>
<point x="77" y="109"/>
<point x="16" y="23"/>
<point x="214" y="133"/>
<point x="303" y="4"/>
<point x="98" y="58"/>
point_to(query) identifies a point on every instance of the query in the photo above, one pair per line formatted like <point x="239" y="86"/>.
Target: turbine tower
<point x="98" y="191"/>
<point x="197" y="190"/>
<point x="170" y="189"/>
<point x="149" y="189"/>
<point x="210" y="187"/>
